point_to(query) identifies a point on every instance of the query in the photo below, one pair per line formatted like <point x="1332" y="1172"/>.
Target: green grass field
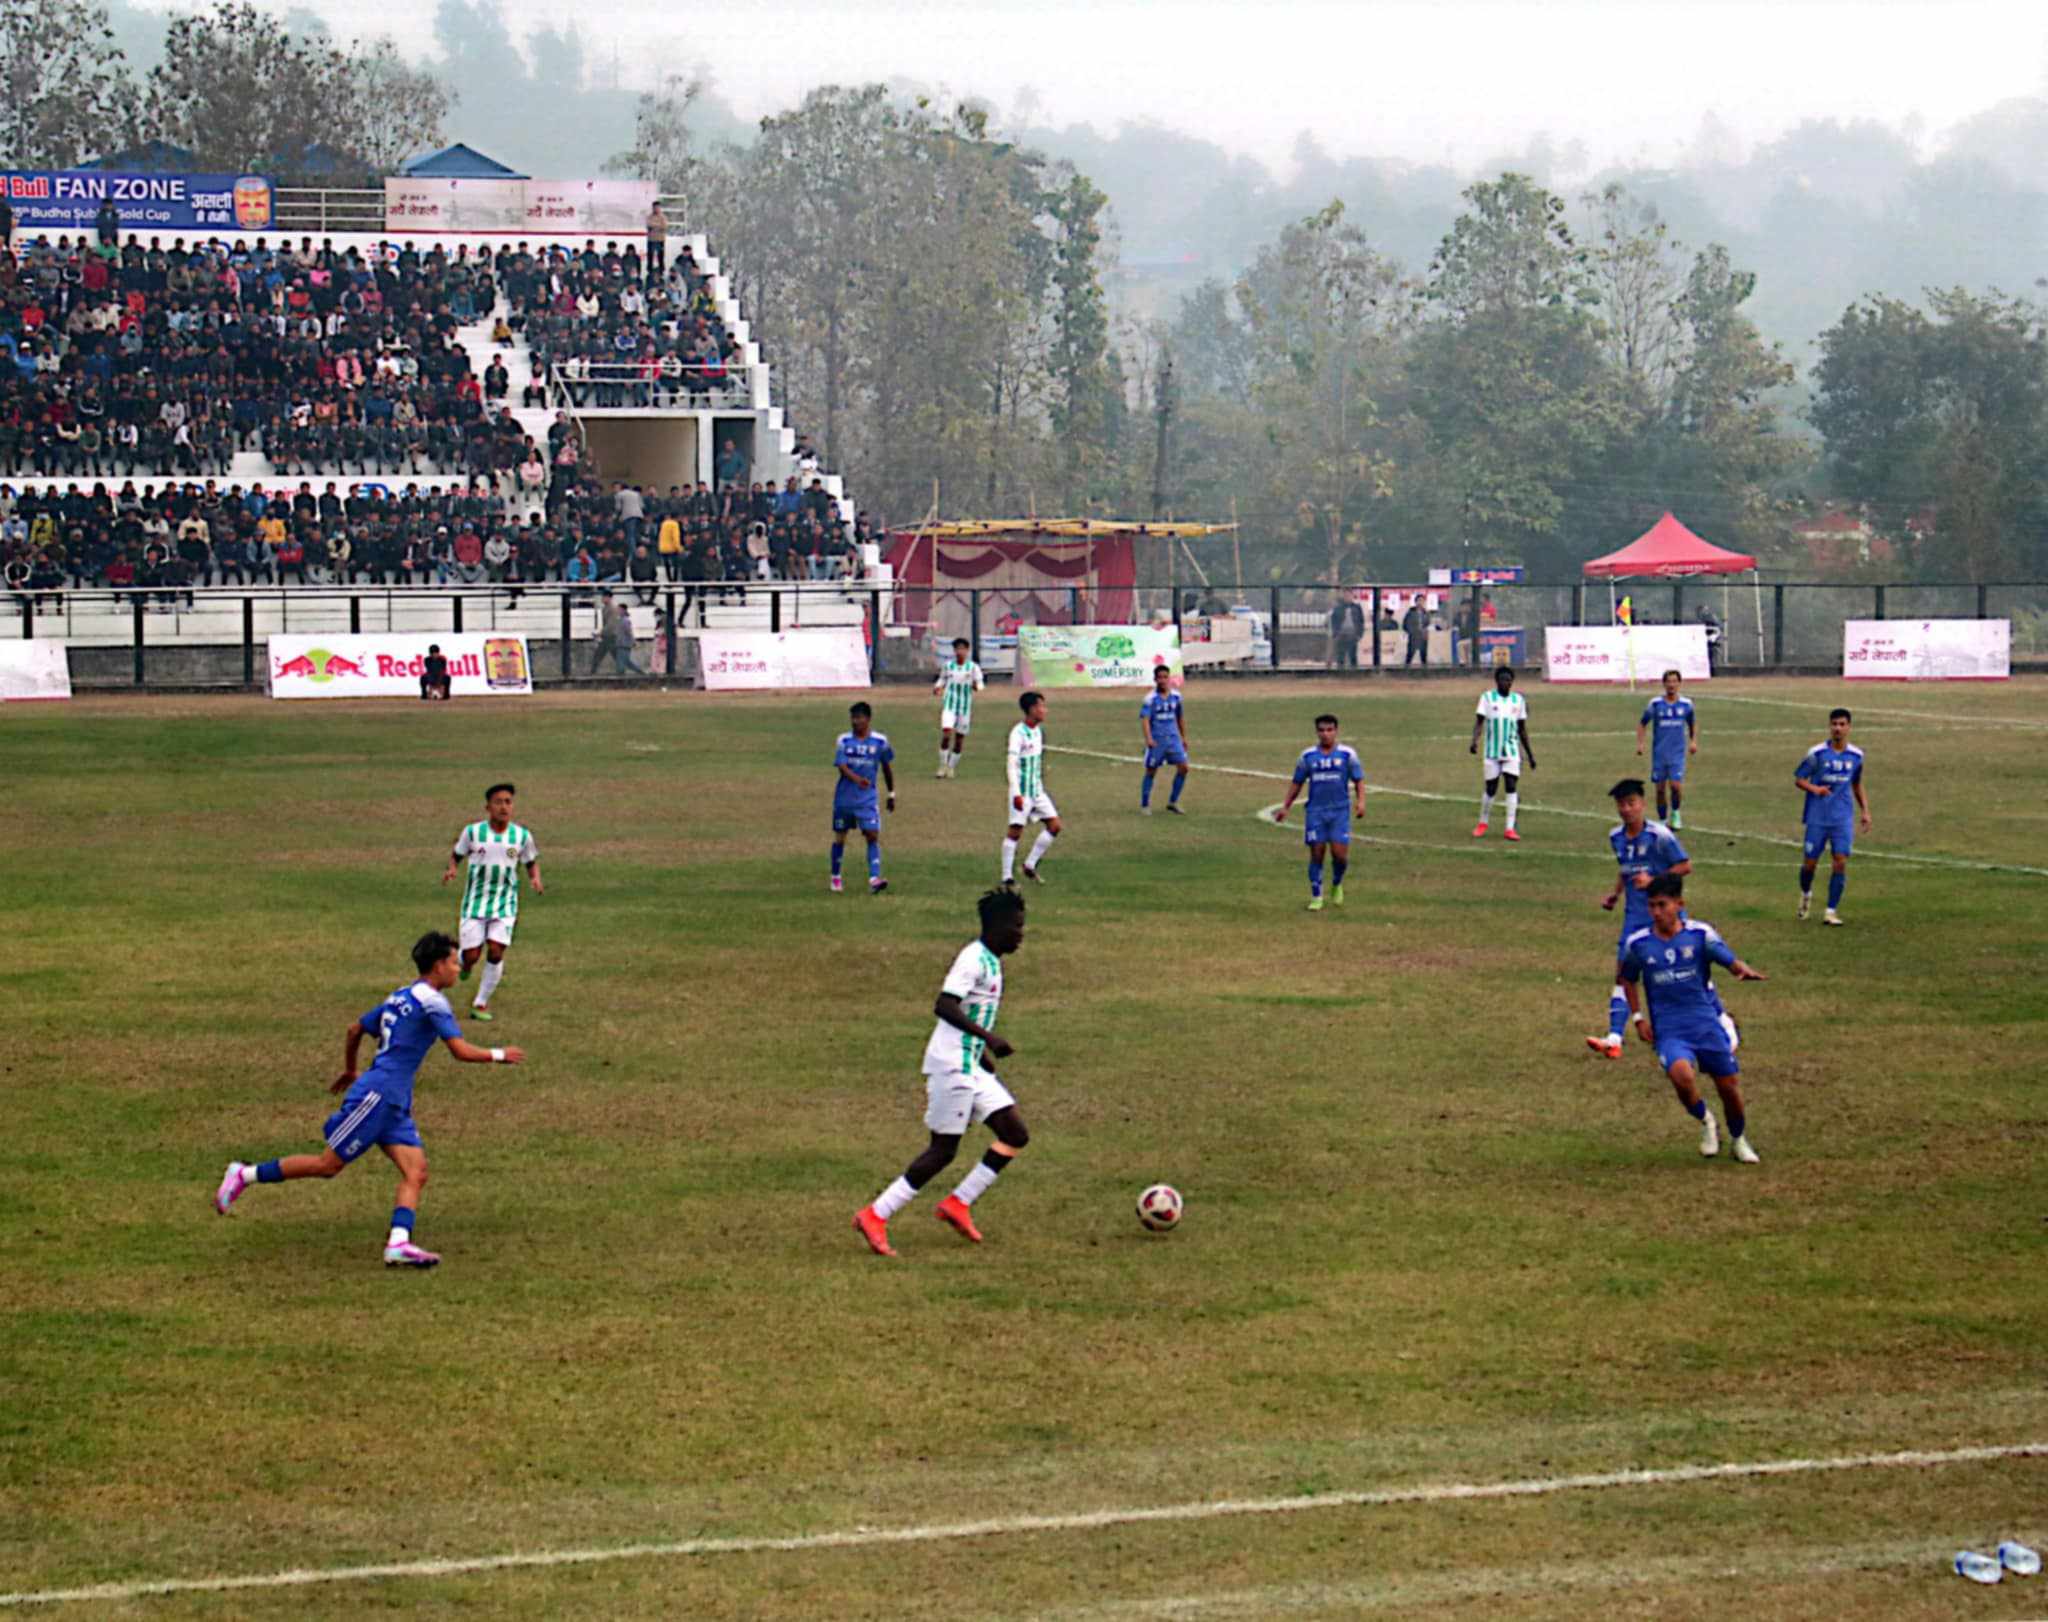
<point x="1430" y="1239"/>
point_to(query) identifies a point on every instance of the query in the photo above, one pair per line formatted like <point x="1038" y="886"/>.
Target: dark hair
<point x="1026" y="700"/>
<point x="860" y="707"/>
<point x="997" y="905"/>
<point x="962" y="642"/>
<point x="1626" y="787"/>
<point x="1844" y="714"/>
<point x="1162" y="670"/>
<point x="1503" y="670"/>
<point x="498" y="788"/>
<point x="1670" y="673"/>
<point x="431" y="948"/>
<point x="1670" y="884"/>
<point x="1327" y="720"/>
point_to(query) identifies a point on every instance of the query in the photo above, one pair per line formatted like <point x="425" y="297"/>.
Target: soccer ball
<point x="1159" y="1208"/>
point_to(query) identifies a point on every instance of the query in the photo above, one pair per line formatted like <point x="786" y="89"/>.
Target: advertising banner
<point x="527" y="208"/>
<point x="1094" y="655"/>
<point x="759" y="661"/>
<point x="1624" y="653"/>
<point x="33" y="670"/>
<point x="1927" y="650"/>
<point x="390" y="666"/>
<point x="69" y="200"/>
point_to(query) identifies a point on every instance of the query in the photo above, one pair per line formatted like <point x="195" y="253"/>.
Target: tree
<point x="393" y="109"/>
<point x="1511" y="250"/>
<point x="64" y="88"/>
<point x="663" y="148"/>
<point x="1083" y="395"/>
<point x="239" y="91"/>
<point x="1637" y="276"/>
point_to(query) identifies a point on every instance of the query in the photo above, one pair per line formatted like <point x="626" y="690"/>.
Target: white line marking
<point x="1953" y="862"/>
<point x="1872" y="709"/>
<point x="1479" y="847"/>
<point x="869" y="1537"/>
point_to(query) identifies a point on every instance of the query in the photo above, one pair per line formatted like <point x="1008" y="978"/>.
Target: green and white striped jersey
<point x="1027" y="759"/>
<point x="976" y="978"/>
<point x="1501" y="740"/>
<point x="958" y="684"/>
<point x="492" y="889"/>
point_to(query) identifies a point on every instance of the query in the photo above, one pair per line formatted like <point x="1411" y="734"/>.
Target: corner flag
<point x="1624" y="613"/>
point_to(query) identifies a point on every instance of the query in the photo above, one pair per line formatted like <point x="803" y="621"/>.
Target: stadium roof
<point x="459" y="162"/>
<point x="1667" y="548"/>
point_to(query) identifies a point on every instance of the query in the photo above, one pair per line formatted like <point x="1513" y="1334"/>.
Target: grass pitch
<point x="1429" y="1238"/>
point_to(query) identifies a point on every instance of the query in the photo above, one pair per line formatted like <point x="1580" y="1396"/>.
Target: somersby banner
<point x="391" y="666"/>
<point x="1094" y="655"/>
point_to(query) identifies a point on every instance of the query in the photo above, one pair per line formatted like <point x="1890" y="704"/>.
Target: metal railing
<point x="319" y="208"/>
<point x="669" y="385"/>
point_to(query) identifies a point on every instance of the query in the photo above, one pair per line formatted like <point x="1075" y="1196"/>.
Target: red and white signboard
<point x="391" y="666"/>
<point x="1624" y="653"/>
<point x="528" y="208"/>
<point x="34" y="670"/>
<point x="1927" y="650"/>
<point x="742" y="661"/>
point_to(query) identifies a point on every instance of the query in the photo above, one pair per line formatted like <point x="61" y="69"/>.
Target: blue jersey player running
<point x="863" y="754"/>
<point x="376" y="1111"/>
<point x="1674" y="734"/>
<point x="1165" y="731"/>
<point x="1829" y="778"/>
<point x="1336" y="786"/>
<point x="1673" y="959"/>
<point x="1644" y="850"/>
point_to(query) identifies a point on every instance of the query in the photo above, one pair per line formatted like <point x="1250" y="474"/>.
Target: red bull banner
<point x="394" y="665"/>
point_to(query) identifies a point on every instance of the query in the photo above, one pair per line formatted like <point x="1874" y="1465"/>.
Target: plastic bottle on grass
<point x="1979" y="1568"/>
<point x="2018" y="1559"/>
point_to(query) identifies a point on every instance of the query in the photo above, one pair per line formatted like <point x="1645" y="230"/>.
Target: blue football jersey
<point x="1677" y="978"/>
<point x="1653" y="851"/>
<point x="1329" y="776"/>
<point x="1840" y="769"/>
<point x="867" y="757"/>
<point x="406" y="1025"/>
<point x="1161" y="715"/>
<point x="1670" y="723"/>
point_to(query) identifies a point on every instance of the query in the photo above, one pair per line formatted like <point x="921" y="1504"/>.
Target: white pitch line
<point x="869" y="1537"/>
<point x="1478" y="847"/>
<point x="1956" y="863"/>
<point x="1872" y="709"/>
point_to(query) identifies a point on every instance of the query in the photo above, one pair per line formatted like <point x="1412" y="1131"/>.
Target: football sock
<point x="1513" y="801"/>
<point x="1338" y="868"/>
<point x="1697" y="1109"/>
<point x="893" y="1198"/>
<point x="268" y="1172"/>
<point x="945" y="758"/>
<point x="401" y="1225"/>
<point x="1038" y="848"/>
<point x="1315" y="877"/>
<point x="952" y="759"/>
<point x="1009" y="859"/>
<point x="1179" y="782"/>
<point x="1837" y="883"/>
<point x="1486" y="804"/>
<point x="1736" y="1121"/>
<point x="1617" y="1013"/>
<point x="875" y="860"/>
<point x="976" y="1183"/>
<point x="1145" y="789"/>
<point x="1806" y="881"/>
<point x="838" y="858"/>
<point x="493" y="973"/>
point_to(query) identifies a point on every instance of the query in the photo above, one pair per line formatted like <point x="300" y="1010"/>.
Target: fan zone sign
<point x="390" y="666"/>
<point x="70" y="199"/>
<point x="1927" y="650"/>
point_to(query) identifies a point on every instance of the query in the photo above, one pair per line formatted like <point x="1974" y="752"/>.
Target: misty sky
<point x="1457" y="80"/>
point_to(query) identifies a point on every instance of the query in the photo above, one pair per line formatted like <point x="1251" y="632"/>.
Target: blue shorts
<point x="868" y="821"/>
<point x="1165" y="754"/>
<point x="1709" y="1054"/>
<point x="1328" y="828"/>
<point x="1668" y="771"/>
<point x="1843" y="838"/>
<point x="368" y="1120"/>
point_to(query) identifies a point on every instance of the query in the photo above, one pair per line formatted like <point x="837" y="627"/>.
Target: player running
<point x="1829" y="776"/>
<point x="1336" y="787"/>
<point x="1165" y="731"/>
<point x="1502" y="723"/>
<point x="958" y="682"/>
<point x="1675" y="734"/>
<point x="1673" y="959"/>
<point x="1028" y="800"/>
<point x="496" y="848"/>
<point x="960" y="1081"/>
<point x="862" y="754"/>
<point x="1646" y="850"/>
<point x="377" y="1108"/>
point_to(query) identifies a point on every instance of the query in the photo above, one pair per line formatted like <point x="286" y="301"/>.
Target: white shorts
<point x="954" y="1102"/>
<point x="1037" y="808"/>
<point x="1511" y="764"/>
<point x="949" y="722"/>
<point x="473" y="932"/>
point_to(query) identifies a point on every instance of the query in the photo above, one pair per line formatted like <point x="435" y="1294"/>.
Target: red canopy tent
<point x="1668" y="550"/>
